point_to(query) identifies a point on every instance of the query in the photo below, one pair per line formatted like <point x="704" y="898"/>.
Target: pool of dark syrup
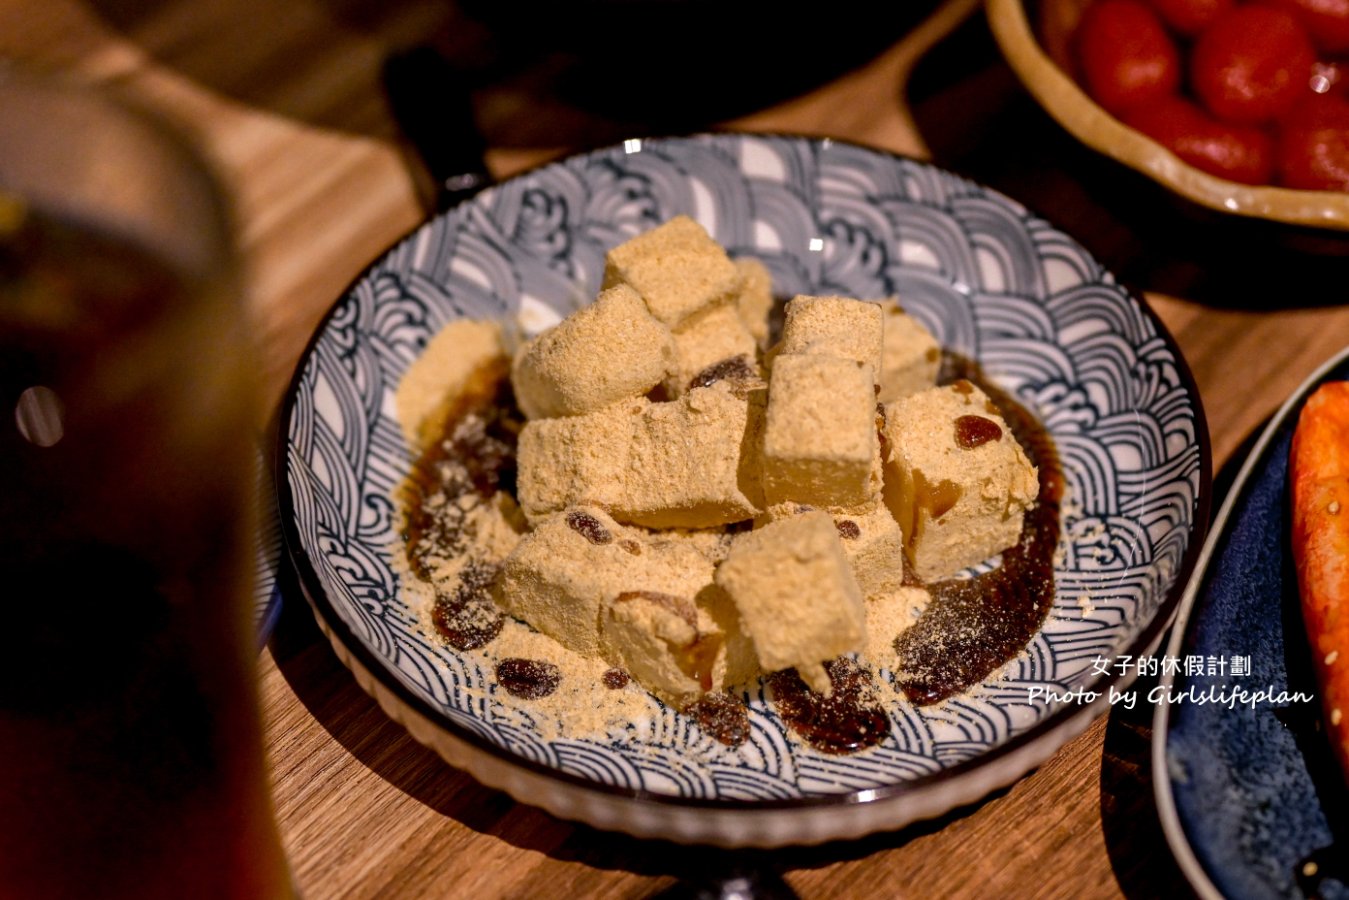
<point x="972" y="627"/>
<point x="474" y="455"/>
<point x="848" y="720"/>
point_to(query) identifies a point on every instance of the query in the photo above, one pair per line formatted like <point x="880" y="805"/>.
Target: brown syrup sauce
<point x="972" y="627"/>
<point x="469" y="618"/>
<point x="475" y="455"/>
<point x="975" y="431"/>
<point x="735" y="369"/>
<point x="721" y="715"/>
<point x="589" y="527"/>
<point x="847" y="721"/>
<point x="528" y="679"/>
<point x="615" y="679"/>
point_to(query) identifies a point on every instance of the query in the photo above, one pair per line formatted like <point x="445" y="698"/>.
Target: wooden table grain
<point x="286" y="99"/>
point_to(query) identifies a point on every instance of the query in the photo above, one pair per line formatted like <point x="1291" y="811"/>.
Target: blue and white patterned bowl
<point x="991" y="281"/>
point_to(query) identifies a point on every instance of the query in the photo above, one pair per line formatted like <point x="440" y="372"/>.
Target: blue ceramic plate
<point x="991" y="280"/>
<point x="1251" y="794"/>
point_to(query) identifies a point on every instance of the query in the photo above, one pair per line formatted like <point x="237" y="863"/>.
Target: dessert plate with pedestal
<point x="992" y="281"/>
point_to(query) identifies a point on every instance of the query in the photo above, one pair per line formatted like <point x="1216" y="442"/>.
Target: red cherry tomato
<point x="1327" y="21"/>
<point x="1235" y="152"/>
<point x="1189" y="17"/>
<point x="1313" y="144"/>
<point x="1252" y="64"/>
<point x="1330" y="78"/>
<point x="1127" y="59"/>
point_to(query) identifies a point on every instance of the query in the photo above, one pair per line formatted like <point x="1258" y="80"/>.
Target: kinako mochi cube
<point x="709" y="347"/>
<point x="676" y="648"/>
<point x="608" y="351"/>
<point x="798" y="600"/>
<point x="656" y="638"/>
<point x="835" y="326"/>
<point x="820" y="442"/>
<point x="689" y="463"/>
<point x="562" y="573"/>
<point x="462" y="364"/>
<point x="676" y="268"/>
<point x="956" y="479"/>
<point x="911" y="356"/>
<point x="576" y="459"/>
<point x="755" y="301"/>
<point x="642" y="603"/>
<point x="874" y="544"/>
<point x="738" y="663"/>
<point x="872" y="541"/>
<point x="695" y="462"/>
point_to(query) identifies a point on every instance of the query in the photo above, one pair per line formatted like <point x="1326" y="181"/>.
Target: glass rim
<point x="90" y="155"/>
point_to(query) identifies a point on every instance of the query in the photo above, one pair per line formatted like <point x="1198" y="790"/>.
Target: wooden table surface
<point x="286" y="98"/>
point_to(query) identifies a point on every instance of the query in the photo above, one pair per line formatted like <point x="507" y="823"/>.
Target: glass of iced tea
<point x="130" y="746"/>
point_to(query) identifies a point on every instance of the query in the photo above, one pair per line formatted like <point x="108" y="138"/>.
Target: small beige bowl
<point x="1039" y="68"/>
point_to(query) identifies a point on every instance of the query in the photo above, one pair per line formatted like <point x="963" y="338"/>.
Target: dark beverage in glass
<point x="130" y="747"/>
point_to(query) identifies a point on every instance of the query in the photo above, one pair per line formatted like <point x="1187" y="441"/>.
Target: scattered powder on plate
<point x="887" y="618"/>
<point x="468" y="527"/>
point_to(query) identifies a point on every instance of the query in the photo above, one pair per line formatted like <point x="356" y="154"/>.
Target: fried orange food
<point x="1319" y="473"/>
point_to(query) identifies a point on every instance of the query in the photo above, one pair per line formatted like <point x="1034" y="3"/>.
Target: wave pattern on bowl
<point x="991" y="281"/>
